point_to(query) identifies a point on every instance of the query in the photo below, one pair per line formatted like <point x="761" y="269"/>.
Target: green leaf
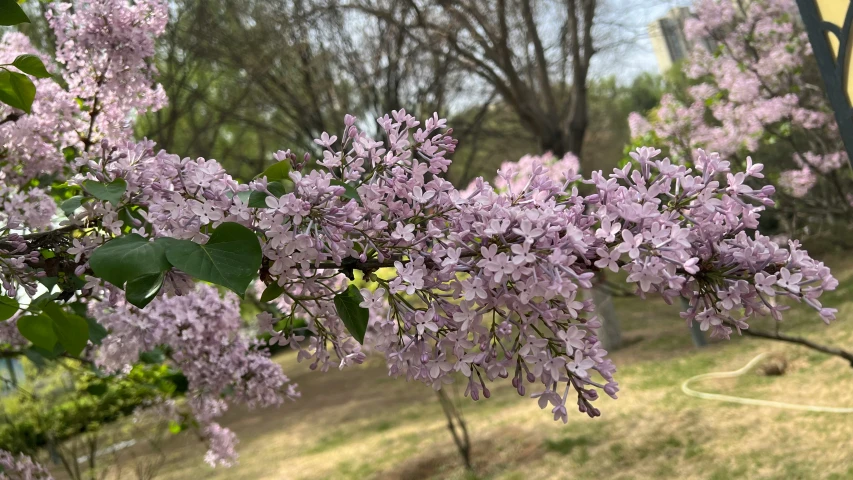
<point x="73" y="333"/>
<point x="11" y="13"/>
<point x="152" y="357"/>
<point x="97" y="332"/>
<point x="354" y="316"/>
<point x="17" y="90"/>
<point x="174" y="427"/>
<point x="38" y="329"/>
<point x="271" y="292"/>
<point x="277" y="171"/>
<point x="132" y="216"/>
<point x="49" y="282"/>
<point x="257" y="199"/>
<point x="97" y="389"/>
<point x="39" y="302"/>
<point x="8" y="307"/>
<point x="350" y="191"/>
<point x="280" y="188"/>
<point x="79" y="308"/>
<point x="32" y="65"/>
<point x="71" y="205"/>
<point x="53" y="311"/>
<point x="230" y="258"/>
<point x="128" y="257"/>
<point x="141" y="290"/>
<point x="109" y="192"/>
<point x="71" y="330"/>
<point x="70" y="153"/>
<point x="178" y="381"/>
<point x="47" y="253"/>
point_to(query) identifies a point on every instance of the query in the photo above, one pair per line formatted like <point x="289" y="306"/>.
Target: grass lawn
<point x="361" y="424"/>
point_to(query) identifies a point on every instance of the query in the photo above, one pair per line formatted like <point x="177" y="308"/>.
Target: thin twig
<point x="799" y="341"/>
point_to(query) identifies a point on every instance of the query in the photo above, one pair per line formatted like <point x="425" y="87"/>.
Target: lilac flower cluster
<point x="32" y="210"/>
<point x="32" y="144"/>
<point x="513" y="176"/>
<point x="200" y="333"/>
<point x="486" y="284"/>
<point x="106" y="47"/>
<point x="21" y="467"/>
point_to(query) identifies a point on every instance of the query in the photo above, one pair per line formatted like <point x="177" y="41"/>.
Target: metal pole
<point x="832" y="70"/>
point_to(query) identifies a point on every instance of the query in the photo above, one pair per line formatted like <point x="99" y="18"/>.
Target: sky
<point x="635" y="55"/>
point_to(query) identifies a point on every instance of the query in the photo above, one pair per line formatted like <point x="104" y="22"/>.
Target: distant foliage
<point x="758" y="92"/>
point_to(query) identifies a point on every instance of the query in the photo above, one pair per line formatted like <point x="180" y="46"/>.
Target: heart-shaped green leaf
<point x="32" y="65"/>
<point x="257" y="199"/>
<point x="97" y="332"/>
<point x="49" y="282"/>
<point x="271" y="292"/>
<point x="152" y="357"/>
<point x="277" y="171"/>
<point x="38" y="329"/>
<point x="8" y="307"/>
<point x="72" y="332"/>
<point x="11" y="13"/>
<point x="141" y="290"/>
<point x="71" y="205"/>
<point x="97" y="389"/>
<point x="17" y="90"/>
<point x="175" y="383"/>
<point x="108" y="192"/>
<point x="128" y="257"/>
<point x="355" y="317"/>
<point x="231" y="257"/>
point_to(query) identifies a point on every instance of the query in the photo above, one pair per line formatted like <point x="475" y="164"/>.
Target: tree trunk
<point x="610" y="333"/>
<point x="458" y="429"/>
<point x="553" y="141"/>
<point x="578" y="119"/>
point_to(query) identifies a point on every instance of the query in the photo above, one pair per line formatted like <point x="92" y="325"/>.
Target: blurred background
<point x="246" y="78"/>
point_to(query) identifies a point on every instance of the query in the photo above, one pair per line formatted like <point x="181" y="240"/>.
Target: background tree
<point x="279" y="72"/>
<point x="539" y="71"/>
<point x="759" y="93"/>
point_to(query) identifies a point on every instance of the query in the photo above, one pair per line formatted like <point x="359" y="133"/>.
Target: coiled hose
<point x="685" y="387"/>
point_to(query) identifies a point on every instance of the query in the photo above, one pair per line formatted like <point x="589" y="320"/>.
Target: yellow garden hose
<point x="685" y="387"/>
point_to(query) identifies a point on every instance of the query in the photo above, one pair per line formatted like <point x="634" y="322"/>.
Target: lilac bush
<point x="487" y="283"/>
